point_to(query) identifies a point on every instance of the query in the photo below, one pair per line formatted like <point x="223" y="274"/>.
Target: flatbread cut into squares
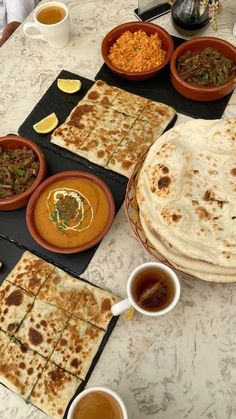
<point x="20" y="368"/>
<point x="95" y="306"/>
<point x="127" y="153"/>
<point x="4" y="340"/>
<point x="109" y="132"/>
<point x="77" y="347"/>
<point x="14" y="304"/>
<point x="85" y="115"/>
<point x="62" y="290"/>
<point x="69" y="137"/>
<point x="78" y="125"/>
<point x="102" y="93"/>
<point x="42" y="327"/>
<point x="129" y="104"/>
<point x="30" y="272"/>
<point x="158" y="113"/>
<point x="54" y="390"/>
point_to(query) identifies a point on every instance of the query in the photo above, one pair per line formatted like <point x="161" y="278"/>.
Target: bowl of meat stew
<point x="204" y="69"/>
<point x="22" y="169"/>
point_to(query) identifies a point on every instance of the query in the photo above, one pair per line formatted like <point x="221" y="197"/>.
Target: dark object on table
<point x="22" y="169"/>
<point x="202" y="93"/>
<point x="150" y="29"/>
<point x="186" y="16"/>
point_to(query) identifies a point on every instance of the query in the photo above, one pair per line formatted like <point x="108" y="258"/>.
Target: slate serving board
<point x="160" y="89"/>
<point x="13" y="225"/>
<point x="10" y="253"/>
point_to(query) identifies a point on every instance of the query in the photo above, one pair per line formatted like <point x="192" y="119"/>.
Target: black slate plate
<point x="54" y="100"/>
<point x="10" y="253"/>
<point x="13" y="225"/>
<point x="160" y="89"/>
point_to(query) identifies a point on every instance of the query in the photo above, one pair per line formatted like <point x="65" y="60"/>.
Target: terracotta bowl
<point x="149" y="28"/>
<point x="199" y="93"/>
<point x="58" y="177"/>
<point x="20" y="200"/>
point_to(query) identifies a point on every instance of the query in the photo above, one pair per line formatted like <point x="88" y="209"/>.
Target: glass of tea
<point x="153" y="289"/>
<point x="97" y="402"/>
<point x="51" y="24"/>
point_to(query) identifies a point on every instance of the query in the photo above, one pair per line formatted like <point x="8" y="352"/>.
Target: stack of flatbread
<point x="186" y="195"/>
<point x="112" y="128"/>
<point x="51" y="327"/>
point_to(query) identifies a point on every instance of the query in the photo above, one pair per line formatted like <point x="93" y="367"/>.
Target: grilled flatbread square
<point x="4" y="340"/>
<point x="42" y="327"/>
<point x="129" y="104"/>
<point x="85" y="115"/>
<point x="94" y="306"/>
<point x="127" y="153"/>
<point x="69" y="137"/>
<point x="159" y="114"/>
<point x="82" y="119"/>
<point x="14" y="304"/>
<point x="77" y="347"/>
<point x="62" y="290"/>
<point x="54" y="390"/>
<point x="102" y="93"/>
<point x="30" y="272"/>
<point x="108" y="133"/>
<point x="20" y="368"/>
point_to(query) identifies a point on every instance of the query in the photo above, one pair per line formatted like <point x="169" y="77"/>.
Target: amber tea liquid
<point x="159" y="299"/>
<point x="98" y="405"/>
<point x="51" y="15"/>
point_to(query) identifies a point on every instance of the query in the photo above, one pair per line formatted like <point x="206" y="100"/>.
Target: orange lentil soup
<point x="71" y="212"/>
<point x="136" y="52"/>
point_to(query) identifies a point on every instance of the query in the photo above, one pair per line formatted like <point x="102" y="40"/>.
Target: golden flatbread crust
<point x="14" y="305"/>
<point x="4" y="340"/>
<point x="99" y="135"/>
<point x="77" y="347"/>
<point x="129" y="104"/>
<point x="127" y="153"/>
<point x="94" y="306"/>
<point x="102" y="93"/>
<point x="20" y="368"/>
<point x="108" y="133"/>
<point x="62" y="290"/>
<point x="54" y="390"/>
<point x="42" y="327"/>
<point x="30" y="272"/>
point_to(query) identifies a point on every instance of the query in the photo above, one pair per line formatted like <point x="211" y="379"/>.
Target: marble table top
<point x="182" y="365"/>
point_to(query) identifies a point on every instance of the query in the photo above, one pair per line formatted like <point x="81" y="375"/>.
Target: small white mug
<point x="55" y="34"/>
<point x="93" y="390"/>
<point x="156" y="267"/>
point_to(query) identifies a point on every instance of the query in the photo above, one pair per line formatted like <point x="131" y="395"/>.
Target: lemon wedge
<point x="69" y="86"/>
<point x="47" y="124"/>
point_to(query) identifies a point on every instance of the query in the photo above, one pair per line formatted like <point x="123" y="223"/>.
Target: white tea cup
<point x="162" y="301"/>
<point x="51" y="24"/>
<point x="122" y="414"/>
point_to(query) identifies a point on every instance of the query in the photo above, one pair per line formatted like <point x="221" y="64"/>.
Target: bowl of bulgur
<point x="137" y="50"/>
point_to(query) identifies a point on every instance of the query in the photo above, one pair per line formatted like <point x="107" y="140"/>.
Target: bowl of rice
<point x="137" y="50"/>
<point x="204" y="69"/>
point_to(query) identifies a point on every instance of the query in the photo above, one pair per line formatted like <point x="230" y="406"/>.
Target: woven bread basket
<point x="132" y="212"/>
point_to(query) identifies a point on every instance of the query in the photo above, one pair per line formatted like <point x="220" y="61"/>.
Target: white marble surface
<point x="184" y="364"/>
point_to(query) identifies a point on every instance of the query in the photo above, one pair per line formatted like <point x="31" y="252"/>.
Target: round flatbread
<point x="186" y="195"/>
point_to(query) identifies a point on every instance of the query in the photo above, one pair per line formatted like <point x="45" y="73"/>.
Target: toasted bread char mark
<point x="102" y="137"/>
